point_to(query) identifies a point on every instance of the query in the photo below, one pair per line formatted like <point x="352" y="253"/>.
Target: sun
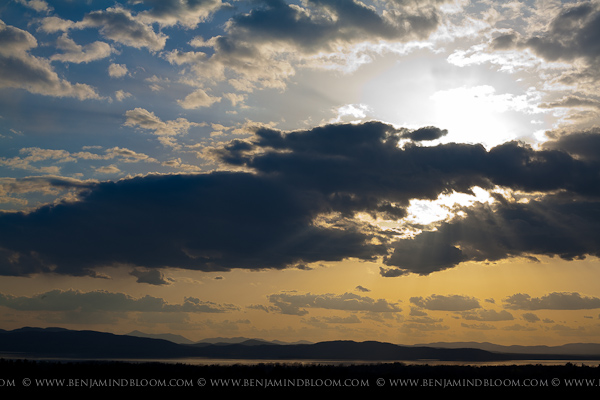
<point x="476" y="114"/>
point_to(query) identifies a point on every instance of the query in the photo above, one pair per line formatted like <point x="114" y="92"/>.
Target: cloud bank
<point x="296" y="197"/>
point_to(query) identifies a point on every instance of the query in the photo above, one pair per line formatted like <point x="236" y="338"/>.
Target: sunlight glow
<point x="478" y="114"/>
<point x="427" y="211"/>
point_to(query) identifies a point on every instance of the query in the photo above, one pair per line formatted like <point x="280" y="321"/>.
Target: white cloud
<point x="121" y="95"/>
<point x="198" y="99"/>
<point x="186" y="13"/>
<point x="117" y="70"/>
<point x="55" y="24"/>
<point x="165" y="130"/>
<point x="74" y="53"/>
<point x="37" y="5"/>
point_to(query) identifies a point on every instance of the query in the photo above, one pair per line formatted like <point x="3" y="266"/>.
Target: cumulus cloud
<point x="446" y="303"/>
<point x="30" y="157"/>
<point x="119" y="25"/>
<point x="263" y="47"/>
<point x="21" y="70"/>
<point x="552" y="226"/>
<point x="74" y="53"/>
<point x="295" y="196"/>
<point x="488" y="315"/>
<point x="165" y="130"/>
<point x="150" y="276"/>
<point x="117" y="70"/>
<point x="552" y="301"/>
<point x="425" y="133"/>
<point x="199" y="98"/>
<point x="100" y="300"/>
<point x="296" y="303"/>
<point x="197" y="222"/>
<point x="560" y="34"/>
<point x="12" y="190"/>
<point x="55" y="24"/>
<point x="37" y="5"/>
<point x="172" y="12"/>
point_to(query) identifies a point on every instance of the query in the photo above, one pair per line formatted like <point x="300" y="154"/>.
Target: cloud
<point x="151" y="276"/>
<point x="263" y="47"/>
<point x="294" y="199"/>
<point x="172" y="12"/>
<point x="572" y="101"/>
<point x="119" y="25"/>
<point x="147" y="120"/>
<point x="296" y="304"/>
<point x="446" y="303"/>
<point x="94" y="301"/>
<point x="530" y="317"/>
<point x="197" y="99"/>
<point x="488" y="315"/>
<point x="552" y="226"/>
<point x="426" y="133"/>
<point x="21" y="70"/>
<point x="567" y="34"/>
<point x="117" y="70"/>
<point x="121" y="95"/>
<point x="30" y="157"/>
<point x="55" y="24"/>
<point x="12" y="190"/>
<point x="199" y="222"/>
<point x="479" y="327"/>
<point x="37" y="5"/>
<point x="74" y="53"/>
<point x="552" y="301"/>
<point x="581" y="144"/>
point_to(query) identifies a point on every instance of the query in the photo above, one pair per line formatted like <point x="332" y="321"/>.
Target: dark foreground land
<point x="117" y="378"/>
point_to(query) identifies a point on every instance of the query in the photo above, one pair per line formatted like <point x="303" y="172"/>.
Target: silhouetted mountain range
<point x="63" y="343"/>
<point x="582" y="349"/>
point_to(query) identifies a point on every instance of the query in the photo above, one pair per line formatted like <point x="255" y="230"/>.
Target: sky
<point x="394" y="170"/>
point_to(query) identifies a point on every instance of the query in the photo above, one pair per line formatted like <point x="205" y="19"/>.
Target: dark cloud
<point x="19" y="69"/>
<point x="118" y="24"/>
<point x="297" y="202"/>
<point x="206" y="222"/>
<point x="572" y="34"/>
<point x="325" y="24"/>
<point x="360" y="167"/>
<point x="103" y="301"/>
<point x="426" y="133"/>
<point x="263" y="46"/>
<point x="583" y="144"/>
<point x="150" y="276"/>
<point x="552" y="226"/>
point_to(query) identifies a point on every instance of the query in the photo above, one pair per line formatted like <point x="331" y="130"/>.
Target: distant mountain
<point x="580" y="349"/>
<point x="63" y="343"/>
<point x="52" y="342"/>
<point x="166" y="336"/>
<point x="247" y="341"/>
<point x="223" y="340"/>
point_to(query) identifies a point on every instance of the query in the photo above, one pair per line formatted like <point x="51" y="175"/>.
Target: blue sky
<point x="301" y="169"/>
